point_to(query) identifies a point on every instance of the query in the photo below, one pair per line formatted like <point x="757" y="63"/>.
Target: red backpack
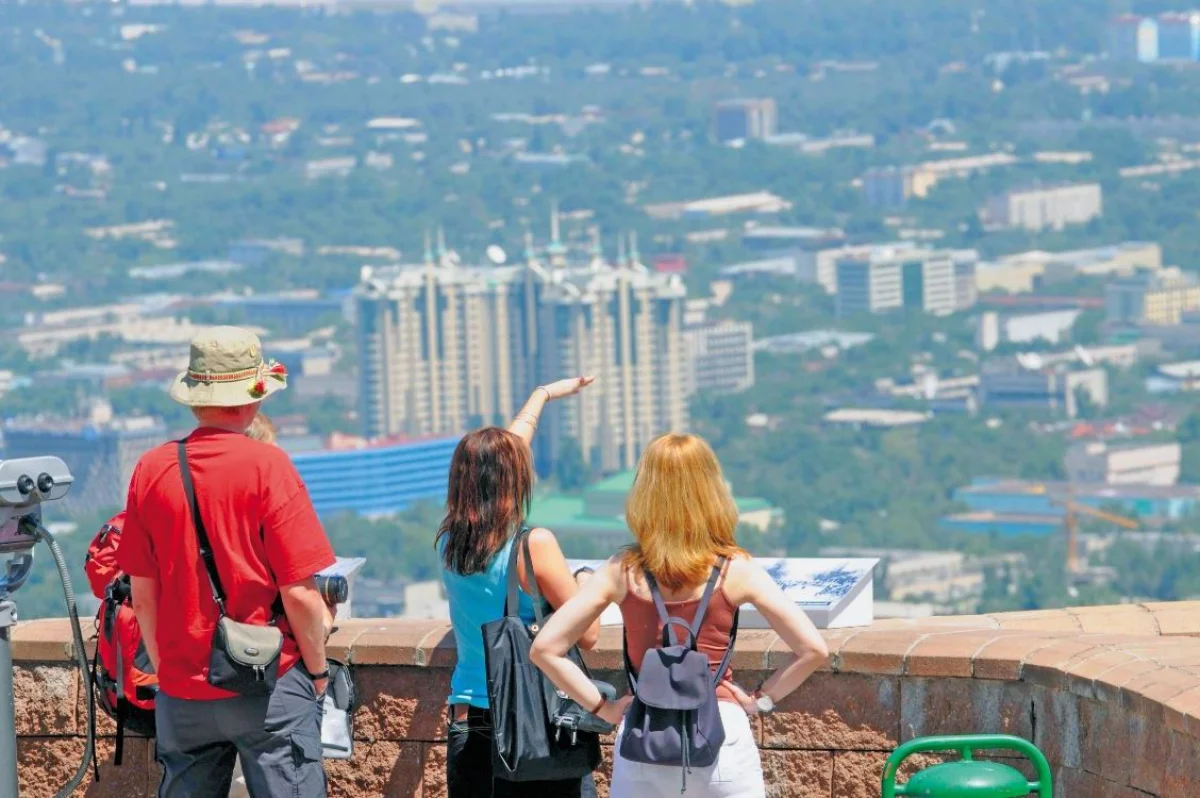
<point x="123" y="679"/>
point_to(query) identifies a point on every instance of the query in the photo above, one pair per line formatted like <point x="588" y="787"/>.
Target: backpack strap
<point x="629" y="675"/>
<point x="669" y="622"/>
<point x="724" y="666"/>
<point x="709" y="589"/>
<point x="96" y="687"/>
<point x="122" y="708"/>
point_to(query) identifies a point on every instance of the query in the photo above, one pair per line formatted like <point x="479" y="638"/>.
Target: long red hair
<point x="681" y="512"/>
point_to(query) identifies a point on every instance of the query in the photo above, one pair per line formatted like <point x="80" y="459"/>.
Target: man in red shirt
<point x="267" y="544"/>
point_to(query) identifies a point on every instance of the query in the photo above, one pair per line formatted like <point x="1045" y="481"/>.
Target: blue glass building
<point x="378" y="479"/>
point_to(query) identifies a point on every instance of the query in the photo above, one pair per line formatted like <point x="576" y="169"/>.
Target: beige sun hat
<point x="226" y="369"/>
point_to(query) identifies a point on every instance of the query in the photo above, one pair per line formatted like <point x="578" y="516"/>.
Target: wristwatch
<point x="764" y="702"/>
<point x="316" y="677"/>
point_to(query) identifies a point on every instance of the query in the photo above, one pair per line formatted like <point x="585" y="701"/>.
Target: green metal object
<point x="968" y="777"/>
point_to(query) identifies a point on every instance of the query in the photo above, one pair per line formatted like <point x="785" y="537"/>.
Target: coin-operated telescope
<point x="25" y="485"/>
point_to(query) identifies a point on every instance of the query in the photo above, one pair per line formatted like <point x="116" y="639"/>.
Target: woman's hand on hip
<point x="744" y="699"/>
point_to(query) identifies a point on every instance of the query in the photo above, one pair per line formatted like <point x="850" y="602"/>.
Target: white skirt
<point x="736" y="774"/>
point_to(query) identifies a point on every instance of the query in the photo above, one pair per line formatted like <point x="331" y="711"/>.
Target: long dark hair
<point x="491" y="482"/>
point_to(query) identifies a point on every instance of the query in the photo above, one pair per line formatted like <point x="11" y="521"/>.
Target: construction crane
<point x="1071" y="522"/>
<point x="1071" y="526"/>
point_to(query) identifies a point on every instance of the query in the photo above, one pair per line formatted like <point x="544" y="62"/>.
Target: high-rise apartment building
<point x="1179" y="36"/>
<point x="445" y="347"/>
<point x="720" y="357"/>
<point x="1152" y="297"/>
<point x="885" y="279"/>
<point x="1133" y="38"/>
<point x="1051" y="207"/>
<point x="744" y="119"/>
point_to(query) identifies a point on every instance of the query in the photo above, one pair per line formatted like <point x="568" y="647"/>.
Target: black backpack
<point x="674" y="718"/>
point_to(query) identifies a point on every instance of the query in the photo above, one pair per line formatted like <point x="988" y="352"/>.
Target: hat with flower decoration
<point x="226" y="369"/>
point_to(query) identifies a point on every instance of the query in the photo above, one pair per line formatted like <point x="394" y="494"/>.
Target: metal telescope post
<point x="24" y="485"/>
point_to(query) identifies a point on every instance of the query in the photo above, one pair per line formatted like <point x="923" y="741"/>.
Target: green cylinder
<point x="968" y="780"/>
<point x="968" y="777"/>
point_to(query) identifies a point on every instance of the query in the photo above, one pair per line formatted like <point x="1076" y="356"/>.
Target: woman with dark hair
<point x="491" y="483"/>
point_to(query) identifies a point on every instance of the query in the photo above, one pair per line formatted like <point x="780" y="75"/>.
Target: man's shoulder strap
<point x="206" y="551"/>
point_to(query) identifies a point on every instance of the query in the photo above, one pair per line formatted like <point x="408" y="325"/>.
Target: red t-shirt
<point x="264" y="533"/>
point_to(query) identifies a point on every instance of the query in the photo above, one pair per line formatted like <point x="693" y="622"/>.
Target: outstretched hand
<point x="568" y="387"/>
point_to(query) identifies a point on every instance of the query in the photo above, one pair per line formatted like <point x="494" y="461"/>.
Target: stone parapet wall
<point x="1110" y="694"/>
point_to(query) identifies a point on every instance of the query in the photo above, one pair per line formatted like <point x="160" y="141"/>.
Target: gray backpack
<point x="674" y="718"/>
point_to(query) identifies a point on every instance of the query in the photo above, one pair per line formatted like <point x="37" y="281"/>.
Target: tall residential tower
<point x="445" y="347"/>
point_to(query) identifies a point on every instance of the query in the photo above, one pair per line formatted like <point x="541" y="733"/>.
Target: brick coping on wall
<point x="1144" y="656"/>
<point x="1111" y="694"/>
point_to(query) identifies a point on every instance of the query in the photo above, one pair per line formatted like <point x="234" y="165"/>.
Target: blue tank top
<point x="475" y="600"/>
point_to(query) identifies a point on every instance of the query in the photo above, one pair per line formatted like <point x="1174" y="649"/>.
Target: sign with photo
<point x="836" y="592"/>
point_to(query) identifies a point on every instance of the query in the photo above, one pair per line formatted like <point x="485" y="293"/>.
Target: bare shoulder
<point x="741" y="578"/>
<point x="741" y="566"/>
<point x="542" y="538"/>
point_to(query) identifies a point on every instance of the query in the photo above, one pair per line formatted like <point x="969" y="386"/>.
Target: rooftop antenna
<point x="597" y="249"/>
<point x="635" y="258"/>
<point x="530" y="255"/>
<point x="621" y="262"/>
<point x="428" y="249"/>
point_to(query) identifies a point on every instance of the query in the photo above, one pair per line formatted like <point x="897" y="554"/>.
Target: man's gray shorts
<point x="278" y="738"/>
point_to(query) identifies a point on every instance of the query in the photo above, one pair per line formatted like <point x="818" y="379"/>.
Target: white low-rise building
<point x="1045" y="208"/>
<point x="1130" y="464"/>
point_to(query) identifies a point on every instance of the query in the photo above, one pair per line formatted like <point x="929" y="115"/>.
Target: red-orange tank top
<point x="643" y="631"/>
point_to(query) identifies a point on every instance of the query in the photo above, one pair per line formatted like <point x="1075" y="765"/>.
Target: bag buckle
<point x="571" y="724"/>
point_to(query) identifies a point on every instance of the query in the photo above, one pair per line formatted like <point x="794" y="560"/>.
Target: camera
<point x="333" y="589"/>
